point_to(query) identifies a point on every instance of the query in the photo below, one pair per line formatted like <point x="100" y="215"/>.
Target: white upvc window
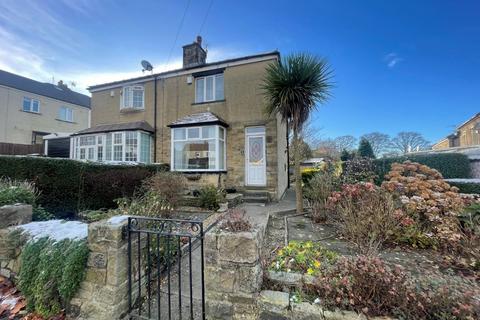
<point x="120" y="146"/>
<point x="65" y="114"/>
<point x="133" y="98"/>
<point x="198" y="148"/>
<point x="209" y="88"/>
<point x="31" y="105"/>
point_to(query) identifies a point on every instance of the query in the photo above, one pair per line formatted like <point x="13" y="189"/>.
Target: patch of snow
<point x="56" y="229"/>
<point x="117" y="219"/>
<point x="463" y="180"/>
<point x="10" y="302"/>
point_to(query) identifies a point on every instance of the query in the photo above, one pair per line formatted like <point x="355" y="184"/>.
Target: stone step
<point x="255" y="199"/>
<point x="249" y="192"/>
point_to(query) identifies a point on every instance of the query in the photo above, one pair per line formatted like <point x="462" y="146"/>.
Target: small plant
<point x="236" y="221"/>
<point x="39" y="213"/>
<point x="94" y="215"/>
<point x="470" y="219"/>
<point x="14" y="191"/>
<point x="24" y="192"/>
<point x="210" y="197"/>
<point x="304" y="257"/>
<point x="51" y="273"/>
<point x="149" y="204"/>
<point x="317" y="193"/>
<point x="169" y="185"/>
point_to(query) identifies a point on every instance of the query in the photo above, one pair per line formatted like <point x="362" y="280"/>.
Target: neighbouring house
<point x="311" y="162"/>
<point x="31" y="110"/>
<point x="206" y="120"/>
<point x="467" y="134"/>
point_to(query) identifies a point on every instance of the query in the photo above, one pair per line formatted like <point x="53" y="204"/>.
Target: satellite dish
<point x="146" y="66"/>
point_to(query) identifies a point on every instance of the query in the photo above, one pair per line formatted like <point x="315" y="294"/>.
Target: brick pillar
<point x="103" y="294"/>
<point x="233" y="274"/>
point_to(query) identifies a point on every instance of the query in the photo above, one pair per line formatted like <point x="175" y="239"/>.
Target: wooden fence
<point x="20" y="149"/>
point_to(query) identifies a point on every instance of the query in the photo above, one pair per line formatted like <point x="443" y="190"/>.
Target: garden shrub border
<point x="450" y="165"/>
<point x="69" y="186"/>
<point x="51" y="273"/>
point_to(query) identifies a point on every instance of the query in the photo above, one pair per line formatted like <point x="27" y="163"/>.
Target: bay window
<point x="209" y="88"/>
<point x="198" y="148"/>
<point x="121" y="146"/>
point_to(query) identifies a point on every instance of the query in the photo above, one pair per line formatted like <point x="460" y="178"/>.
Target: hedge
<point x="450" y="165"/>
<point x="466" y="187"/>
<point x="69" y="186"/>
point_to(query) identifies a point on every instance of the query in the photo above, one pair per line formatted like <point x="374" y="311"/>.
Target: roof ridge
<point x="274" y="52"/>
<point x="50" y="90"/>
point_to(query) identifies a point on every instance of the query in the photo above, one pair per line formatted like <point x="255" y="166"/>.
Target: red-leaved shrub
<point x="367" y="285"/>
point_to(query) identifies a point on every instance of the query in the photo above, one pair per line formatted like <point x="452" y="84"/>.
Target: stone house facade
<point x="31" y="110"/>
<point x="206" y="120"/>
<point x="467" y="134"/>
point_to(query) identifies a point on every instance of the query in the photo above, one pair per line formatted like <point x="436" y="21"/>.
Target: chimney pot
<point x="199" y="40"/>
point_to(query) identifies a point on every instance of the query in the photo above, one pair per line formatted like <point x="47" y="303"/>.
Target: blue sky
<point x="399" y="65"/>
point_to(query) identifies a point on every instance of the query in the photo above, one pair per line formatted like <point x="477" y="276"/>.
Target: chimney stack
<point x="193" y="54"/>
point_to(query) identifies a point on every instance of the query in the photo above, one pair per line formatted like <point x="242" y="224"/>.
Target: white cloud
<point x="392" y="59"/>
<point x="37" y="42"/>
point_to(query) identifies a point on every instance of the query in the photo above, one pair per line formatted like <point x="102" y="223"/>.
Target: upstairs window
<point x="65" y="114"/>
<point x="209" y="88"/>
<point x="133" y="98"/>
<point x="31" y="105"/>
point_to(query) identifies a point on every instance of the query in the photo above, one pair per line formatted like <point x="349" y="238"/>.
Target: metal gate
<point x="165" y="269"/>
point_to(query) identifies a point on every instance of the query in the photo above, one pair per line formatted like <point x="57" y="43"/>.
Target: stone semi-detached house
<point x="30" y="109"/>
<point x="205" y="119"/>
<point x="466" y="135"/>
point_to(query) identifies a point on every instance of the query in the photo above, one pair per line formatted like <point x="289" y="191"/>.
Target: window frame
<point x="214" y="88"/>
<point x="100" y="141"/>
<point x="123" y="106"/>
<point x="216" y="138"/>
<point x="32" y="100"/>
<point x="67" y="109"/>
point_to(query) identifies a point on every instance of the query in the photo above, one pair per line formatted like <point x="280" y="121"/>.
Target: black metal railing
<point x="161" y="253"/>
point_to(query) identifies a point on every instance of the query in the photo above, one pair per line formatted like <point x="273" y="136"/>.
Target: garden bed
<point x="407" y="249"/>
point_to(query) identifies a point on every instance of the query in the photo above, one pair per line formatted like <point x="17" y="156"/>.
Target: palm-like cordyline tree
<point x="293" y="87"/>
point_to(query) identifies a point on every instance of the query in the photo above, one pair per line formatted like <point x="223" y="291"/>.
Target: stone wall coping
<point x="277" y="304"/>
<point x="16" y="205"/>
<point x="290" y="278"/>
<point x="117" y="220"/>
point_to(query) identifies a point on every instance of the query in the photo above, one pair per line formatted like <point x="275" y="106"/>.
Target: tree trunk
<point x="298" y="175"/>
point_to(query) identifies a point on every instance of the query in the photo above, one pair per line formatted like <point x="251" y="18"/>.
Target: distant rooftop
<point x="62" y="93"/>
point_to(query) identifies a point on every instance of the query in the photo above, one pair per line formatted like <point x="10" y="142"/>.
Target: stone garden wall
<point x="233" y="274"/>
<point x="10" y="216"/>
<point x="103" y="294"/>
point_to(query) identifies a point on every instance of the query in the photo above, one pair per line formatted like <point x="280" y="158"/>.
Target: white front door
<point x="255" y="157"/>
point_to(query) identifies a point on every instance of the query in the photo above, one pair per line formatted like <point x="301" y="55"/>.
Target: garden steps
<point x="256" y="196"/>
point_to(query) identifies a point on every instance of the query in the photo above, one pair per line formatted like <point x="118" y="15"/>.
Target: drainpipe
<point x="288" y="159"/>
<point x="155" y="121"/>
